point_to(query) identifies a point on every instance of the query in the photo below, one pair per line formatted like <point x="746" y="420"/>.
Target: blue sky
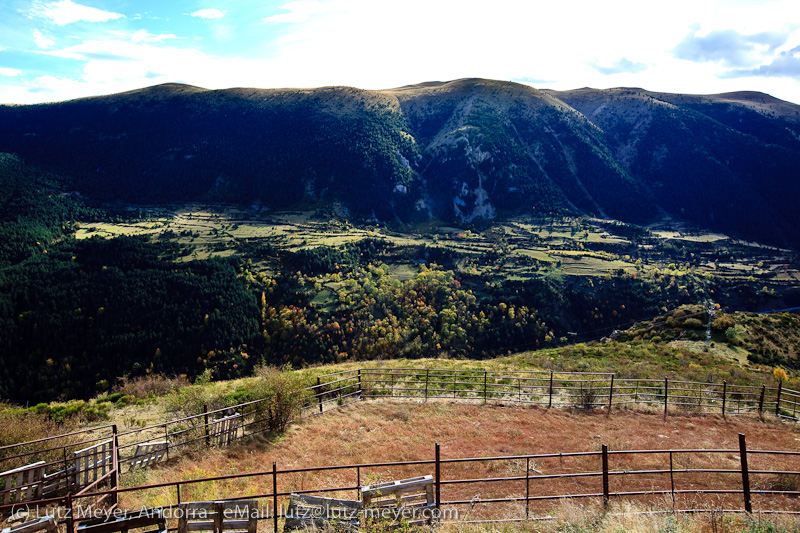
<point x="52" y="50"/>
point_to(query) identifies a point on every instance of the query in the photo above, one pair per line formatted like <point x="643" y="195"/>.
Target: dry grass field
<point x="394" y="431"/>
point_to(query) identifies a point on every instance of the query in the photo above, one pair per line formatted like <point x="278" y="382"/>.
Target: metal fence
<point x="579" y="390"/>
<point x="56" y="471"/>
<point x="512" y="488"/>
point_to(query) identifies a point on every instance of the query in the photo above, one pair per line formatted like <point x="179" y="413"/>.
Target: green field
<point x="521" y="248"/>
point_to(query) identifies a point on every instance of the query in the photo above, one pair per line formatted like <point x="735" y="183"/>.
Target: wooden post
<point x="666" y="395"/>
<point x="745" y="474"/>
<point x="274" y="497"/>
<point x="550" y="400"/>
<point x="205" y="421"/>
<point x="605" y="477"/>
<point x="778" y="400"/>
<point x="438" y="473"/>
<point x="761" y="401"/>
<point x="319" y="395"/>
<point x="484" y="386"/>
<point x="724" y="396"/>
<point x="610" y="395"/>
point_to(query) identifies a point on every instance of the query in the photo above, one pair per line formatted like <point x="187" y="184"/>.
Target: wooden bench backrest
<point x="219" y="516"/>
<point x="414" y="497"/>
<point x="22" y="484"/>
<point x="45" y="523"/>
<point x="315" y="511"/>
<point x="148" y="453"/>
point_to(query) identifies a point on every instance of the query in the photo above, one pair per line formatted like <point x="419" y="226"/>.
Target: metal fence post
<point x="724" y="396"/>
<point x="671" y="481"/>
<point x="437" y="471"/>
<point x="166" y="439"/>
<point x="550" y="400"/>
<point x="745" y="474"/>
<point x="205" y="420"/>
<point x="115" y="465"/>
<point x="605" y="477"/>
<point x="274" y="497"/>
<point x="319" y="394"/>
<point x="358" y="483"/>
<point x="666" y="395"/>
<point x="70" y="514"/>
<point x="527" y="487"/>
<point x="761" y="401"/>
<point x="427" y="378"/>
<point x="484" y="386"/>
<point x="610" y="395"/>
<point x="360" y="386"/>
<point x="778" y="400"/>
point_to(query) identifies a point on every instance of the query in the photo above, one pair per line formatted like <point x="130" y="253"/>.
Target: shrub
<point x="189" y="401"/>
<point x="25" y="425"/>
<point x="722" y="323"/>
<point x="693" y="323"/>
<point x="78" y="410"/>
<point x="284" y="395"/>
<point x="147" y="386"/>
<point x="585" y="399"/>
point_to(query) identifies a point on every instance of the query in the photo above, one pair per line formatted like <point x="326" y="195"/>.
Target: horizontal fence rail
<point x="49" y="470"/>
<point x="502" y="488"/>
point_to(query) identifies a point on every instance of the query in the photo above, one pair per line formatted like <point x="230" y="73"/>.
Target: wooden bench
<point x="22" y="484"/>
<point x="225" y="430"/>
<point x="151" y="519"/>
<point x="219" y="516"/>
<point x="45" y="523"/>
<point x="306" y="511"/>
<point x="147" y="454"/>
<point x="407" y="501"/>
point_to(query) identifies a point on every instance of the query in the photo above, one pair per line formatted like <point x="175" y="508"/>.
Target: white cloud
<point x="143" y="36"/>
<point x="209" y="14"/>
<point x="41" y="40"/>
<point x="9" y="71"/>
<point x="374" y="45"/>
<point x="66" y="12"/>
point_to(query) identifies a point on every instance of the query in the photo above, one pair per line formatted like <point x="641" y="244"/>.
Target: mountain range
<point x="463" y="150"/>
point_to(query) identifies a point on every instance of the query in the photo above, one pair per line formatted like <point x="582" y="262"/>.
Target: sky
<point x="53" y="50"/>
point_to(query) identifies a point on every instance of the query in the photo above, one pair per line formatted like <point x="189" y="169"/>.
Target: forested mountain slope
<point x="462" y="150"/>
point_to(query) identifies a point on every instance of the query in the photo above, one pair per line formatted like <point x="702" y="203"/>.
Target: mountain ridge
<point x="460" y="150"/>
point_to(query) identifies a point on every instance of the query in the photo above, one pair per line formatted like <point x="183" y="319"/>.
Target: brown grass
<point x="387" y="431"/>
